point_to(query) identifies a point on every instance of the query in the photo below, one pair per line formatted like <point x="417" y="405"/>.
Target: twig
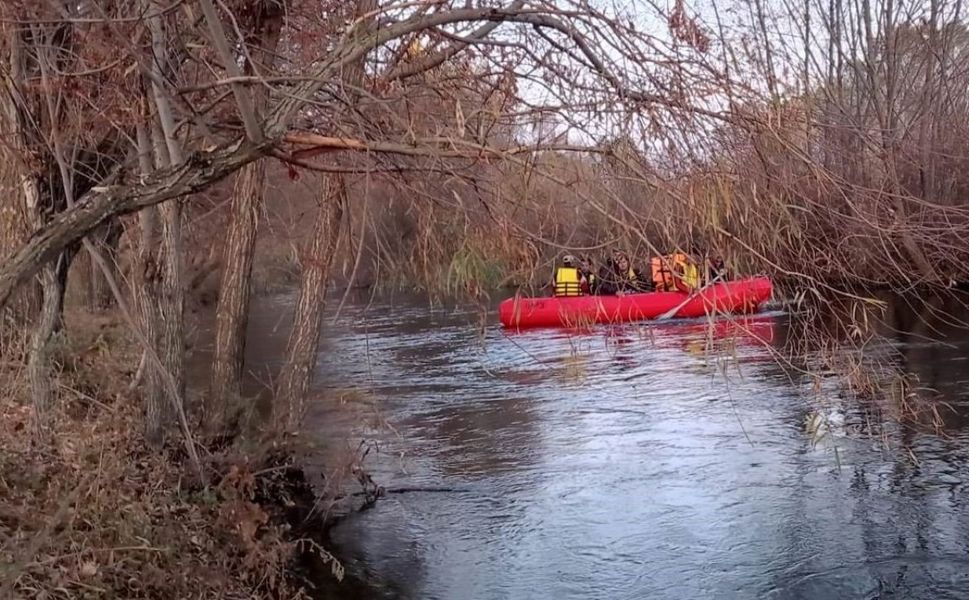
<point x="136" y="380"/>
<point x="84" y="396"/>
<point x="55" y="559"/>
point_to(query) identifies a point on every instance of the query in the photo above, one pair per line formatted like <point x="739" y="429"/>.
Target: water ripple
<point x="629" y="462"/>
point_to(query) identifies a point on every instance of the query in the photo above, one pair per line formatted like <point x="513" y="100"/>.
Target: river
<point x="663" y="461"/>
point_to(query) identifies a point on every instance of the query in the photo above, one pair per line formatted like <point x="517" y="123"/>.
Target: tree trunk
<point x="889" y="126"/>
<point x="145" y="293"/>
<point x="14" y="230"/>
<point x="295" y="375"/>
<point x="38" y="361"/>
<point x="169" y="298"/>
<point x="38" y="356"/>
<point x="934" y="60"/>
<point x="171" y="293"/>
<point x="53" y="283"/>
<point x="61" y="271"/>
<point x="233" y="310"/>
<point x="100" y="295"/>
<point x="19" y="188"/>
<point x="304" y="339"/>
<point x="232" y="313"/>
<point x="106" y="240"/>
<point x="172" y="297"/>
<point x="38" y="204"/>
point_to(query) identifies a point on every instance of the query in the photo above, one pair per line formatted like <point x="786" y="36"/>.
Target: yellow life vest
<point x="567" y="282"/>
<point x="690" y="272"/>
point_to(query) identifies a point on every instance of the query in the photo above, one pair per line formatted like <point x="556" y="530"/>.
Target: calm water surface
<point x="631" y="462"/>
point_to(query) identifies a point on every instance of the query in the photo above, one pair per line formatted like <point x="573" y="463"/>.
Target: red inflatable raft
<point x="742" y="296"/>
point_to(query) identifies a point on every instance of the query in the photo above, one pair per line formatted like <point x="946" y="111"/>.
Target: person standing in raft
<point x="619" y="277"/>
<point x="569" y="280"/>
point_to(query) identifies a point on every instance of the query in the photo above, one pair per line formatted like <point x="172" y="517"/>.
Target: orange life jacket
<point x="661" y="273"/>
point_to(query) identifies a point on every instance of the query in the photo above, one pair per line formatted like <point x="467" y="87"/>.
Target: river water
<point x="672" y="461"/>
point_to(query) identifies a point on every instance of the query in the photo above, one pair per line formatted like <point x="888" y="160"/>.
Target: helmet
<point x="569" y="261"/>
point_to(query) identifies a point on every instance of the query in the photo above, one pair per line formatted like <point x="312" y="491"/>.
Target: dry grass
<point x="845" y="352"/>
<point x="96" y="513"/>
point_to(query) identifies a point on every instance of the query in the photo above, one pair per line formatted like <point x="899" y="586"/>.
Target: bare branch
<point x="243" y="100"/>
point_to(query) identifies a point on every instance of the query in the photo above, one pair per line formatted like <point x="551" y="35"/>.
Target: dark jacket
<point x="610" y="282"/>
<point x="716" y="267"/>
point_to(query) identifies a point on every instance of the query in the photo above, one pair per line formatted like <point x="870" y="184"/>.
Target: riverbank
<point x="96" y="512"/>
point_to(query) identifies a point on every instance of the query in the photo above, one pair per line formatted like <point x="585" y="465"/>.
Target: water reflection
<point x="660" y="461"/>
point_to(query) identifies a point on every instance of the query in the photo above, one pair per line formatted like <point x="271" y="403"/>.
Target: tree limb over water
<point x="203" y="168"/>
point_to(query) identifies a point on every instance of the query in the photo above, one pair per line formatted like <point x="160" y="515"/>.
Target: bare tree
<point x="301" y="350"/>
<point x="31" y="51"/>
<point x="145" y="293"/>
<point x="171" y="293"/>
<point x="844" y="146"/>
<point x="237" y="256"/>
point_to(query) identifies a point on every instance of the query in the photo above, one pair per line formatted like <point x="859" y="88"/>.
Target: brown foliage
<point x="99" y="512"/>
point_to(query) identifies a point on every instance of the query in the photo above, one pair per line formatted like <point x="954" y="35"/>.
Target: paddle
<point x="692" y="295"/>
